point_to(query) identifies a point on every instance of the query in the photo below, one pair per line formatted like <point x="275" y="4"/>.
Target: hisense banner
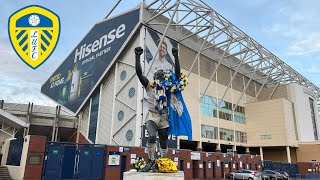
<point x="76" y="77"/>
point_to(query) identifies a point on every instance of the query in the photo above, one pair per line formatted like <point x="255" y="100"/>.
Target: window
<point x="208" y="106"/>
<point x="314" y="124"/>
<point x="209" y="132"/>
<point x="94" y="117"/>
<point x="123" y="75"/>
<point x="132" y="92"/>
<point x="226" y="134"/>
<point x="120" y="115"/>
<point x="241" y="137"/>
<point x="129" y="135"/>
<point x="239" y="114"/>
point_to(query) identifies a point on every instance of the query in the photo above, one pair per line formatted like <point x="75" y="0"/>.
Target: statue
<point x="158" y="118"/>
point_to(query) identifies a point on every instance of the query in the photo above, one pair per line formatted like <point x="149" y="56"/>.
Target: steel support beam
<point x="275" y="88"/>
<point x="195" y="12"/>
<point x="234" y="75"/>
<point x="215" y="70"/>
<point x="176" y="5"/>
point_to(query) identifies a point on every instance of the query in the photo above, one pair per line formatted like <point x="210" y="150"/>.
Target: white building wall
<point x="84" y="126"/>
<point x="112" y="129"/>
<point x="300" y="97"/>
<point x="105" y="112"/>
<point x="3" y="137"/>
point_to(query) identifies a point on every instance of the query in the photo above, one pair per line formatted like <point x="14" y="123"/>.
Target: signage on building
<point x="172" y="140"/>
<point x="114" y="159"/>
<point x="230" y="151"/>
<point x="195" y="156"/>
<point x="76" y="78"/>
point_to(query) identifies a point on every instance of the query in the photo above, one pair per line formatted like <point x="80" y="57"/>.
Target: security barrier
<point x="73" y="161"/>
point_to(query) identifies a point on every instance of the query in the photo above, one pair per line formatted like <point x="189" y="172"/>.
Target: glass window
<point x="132" y="92"/>
<point x="241" y="137"/>
<point x="94" y="117"/>
<point x="123" y="75"/>
<point x="208" y="106"/>
<point x="314" y="124"/>
<point x="226" y="134"/>
<point x="129" y="135"/>
<point x="209" y="132"/>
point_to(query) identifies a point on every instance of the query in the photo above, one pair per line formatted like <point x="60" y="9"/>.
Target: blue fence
<point x="291" y="169"/>
<point x="73" y="161"/>
<point x="306" y="177"/>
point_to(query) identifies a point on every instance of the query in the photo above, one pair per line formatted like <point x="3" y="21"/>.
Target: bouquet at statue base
<point x="166" y="165"/>
<point x="139" y="164"/>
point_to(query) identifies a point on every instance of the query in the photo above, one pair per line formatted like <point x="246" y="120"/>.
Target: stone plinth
<point x="153" y="176"/>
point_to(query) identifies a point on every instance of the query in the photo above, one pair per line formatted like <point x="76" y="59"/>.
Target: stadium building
<point x="241" y="97"/>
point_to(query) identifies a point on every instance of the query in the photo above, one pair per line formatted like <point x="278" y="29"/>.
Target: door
<point x="84" y="165"/>
<point x="181" y="168"/>
<point x="91" y="162"/>
<point x="68" y="162"/>
<point x="53" y="161"/>
<point x="97" y="162"/>
<point x="123" y="166"/>
<point x="204" y="170"/>
<point x="222" y="170"/>
<point x="213" y="169"/>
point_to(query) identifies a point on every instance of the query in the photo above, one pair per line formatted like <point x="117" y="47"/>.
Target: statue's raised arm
<point x="177" y="69"/>
<point x="144" y="80"/>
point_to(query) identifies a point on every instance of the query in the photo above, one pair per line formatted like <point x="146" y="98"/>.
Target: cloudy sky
<point x="288" y="28"/>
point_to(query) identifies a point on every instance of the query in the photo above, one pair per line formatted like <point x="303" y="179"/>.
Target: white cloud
<point x="297" y="23"/>
<point x="309" y="45"/>
<point x="19" y="83"/>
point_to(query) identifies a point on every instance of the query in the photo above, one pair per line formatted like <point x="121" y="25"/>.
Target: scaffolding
<point x="195" y="19"/>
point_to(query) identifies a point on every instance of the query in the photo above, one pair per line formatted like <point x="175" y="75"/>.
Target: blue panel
<point x="24" y="21"/>
<point x="15" y="151"/>
<point x="84" y="162"/>
<point x="97" y="162"/>
<point x="53" y="161"/>
<point x="68" y="162"/>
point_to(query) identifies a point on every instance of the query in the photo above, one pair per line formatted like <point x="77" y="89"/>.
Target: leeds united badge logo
<point x="34" y="33"/>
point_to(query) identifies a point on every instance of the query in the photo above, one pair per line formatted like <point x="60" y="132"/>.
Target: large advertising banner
<point x="76" y="77"/>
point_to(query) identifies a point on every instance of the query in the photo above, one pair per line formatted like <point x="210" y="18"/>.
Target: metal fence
<point x="291" y="169"/>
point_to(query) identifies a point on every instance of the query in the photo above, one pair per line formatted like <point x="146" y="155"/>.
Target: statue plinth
<point x="153" y="176"/>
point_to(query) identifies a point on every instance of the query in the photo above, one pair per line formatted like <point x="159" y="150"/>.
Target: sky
<point x="288" y="28"/>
